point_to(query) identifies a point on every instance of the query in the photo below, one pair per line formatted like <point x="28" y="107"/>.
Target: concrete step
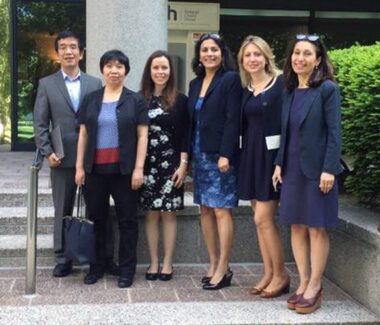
<point x="189" y="247"/>
<point x="180" y="301"/>
<point x="13" y="214"/>
<point x="19" y="197"/>
<point x="13" y="250"/>
<point x="13" y="220"/>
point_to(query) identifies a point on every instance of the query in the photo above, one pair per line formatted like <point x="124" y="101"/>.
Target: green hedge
<point x="358" y="75"/>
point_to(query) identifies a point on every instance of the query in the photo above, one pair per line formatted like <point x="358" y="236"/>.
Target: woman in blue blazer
<point x="214" y="109"/>
<point x="308" y="162"/>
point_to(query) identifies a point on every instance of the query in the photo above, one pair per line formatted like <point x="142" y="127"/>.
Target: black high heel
<point x="225" y="282"/>
<point x="206" y="279"/>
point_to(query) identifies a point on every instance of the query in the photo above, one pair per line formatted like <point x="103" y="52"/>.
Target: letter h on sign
<point x="172" y="13"/>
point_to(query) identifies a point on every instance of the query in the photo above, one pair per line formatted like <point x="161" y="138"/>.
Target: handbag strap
<point x="79" y="202"/>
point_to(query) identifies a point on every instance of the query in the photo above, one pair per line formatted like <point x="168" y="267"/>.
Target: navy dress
<point x="301" y="200"/>
<point x="256" y="161"/>
<point x="211" y="187"/>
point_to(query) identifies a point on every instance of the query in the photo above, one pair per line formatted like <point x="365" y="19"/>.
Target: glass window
<point x="38" y="23"/>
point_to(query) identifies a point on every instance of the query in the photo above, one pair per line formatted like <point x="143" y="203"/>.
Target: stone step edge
<point x="18" y="242"/>
<point x="273" y="312"/>
<point x="48" y="212"/>
<point x="18" y="217"/>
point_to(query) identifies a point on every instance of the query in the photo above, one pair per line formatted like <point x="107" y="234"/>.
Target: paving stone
<point x="199" y="295"/>
<point x="175" y="282"/>
<point x="12" y="273"/>
<point x="5" y="286"/>
<point x="239" y="294"/>
<point x="61" y="299"/>
<point x="13" y="300"/>
<point x="43" y="286"/>
<point x="156" y="295"/>
<point x="117" y="296"/>
<point x="256" y="268"/>
<point x="245" y="281"/>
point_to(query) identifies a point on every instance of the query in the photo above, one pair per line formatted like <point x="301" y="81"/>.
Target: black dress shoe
<point x="125" y="282"/>
<point x="166" y="276"/>
<point x="225" y="282"/>
<point x="152" y="276"/>
<point x="62" y="270"/>
<point x="112" y="268"/>
<point x="92" y="277"/>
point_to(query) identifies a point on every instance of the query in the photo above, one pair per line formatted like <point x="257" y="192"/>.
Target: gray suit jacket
<point x="53" y="108"/>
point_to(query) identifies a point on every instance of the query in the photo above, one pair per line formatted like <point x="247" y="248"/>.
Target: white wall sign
<point x="193" y="16"/>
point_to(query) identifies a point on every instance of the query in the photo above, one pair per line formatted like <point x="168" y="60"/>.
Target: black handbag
<point x="79" y="235"/>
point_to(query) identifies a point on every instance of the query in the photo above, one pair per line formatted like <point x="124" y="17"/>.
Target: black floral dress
<point x="158" y="191"/>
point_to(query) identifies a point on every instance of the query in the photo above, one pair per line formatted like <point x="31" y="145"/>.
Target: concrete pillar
<point x="137" y="27"/>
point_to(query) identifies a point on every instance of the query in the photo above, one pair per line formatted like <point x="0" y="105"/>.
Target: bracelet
<point x="184" y="161"/>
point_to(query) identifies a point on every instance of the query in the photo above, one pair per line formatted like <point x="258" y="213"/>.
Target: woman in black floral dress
<point x="166" y="163"/>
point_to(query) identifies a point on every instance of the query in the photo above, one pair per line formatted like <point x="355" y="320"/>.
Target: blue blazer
<point x="219" y="117"/>
<point x="319" y="130"/>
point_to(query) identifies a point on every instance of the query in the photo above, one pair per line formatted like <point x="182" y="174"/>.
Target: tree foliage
<point x="5" y="72"/>
<point x="358" y="75"/>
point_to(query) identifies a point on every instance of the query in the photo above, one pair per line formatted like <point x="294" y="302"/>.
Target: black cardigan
<point x="131" y="111"/>
<point x="181" y="123"/>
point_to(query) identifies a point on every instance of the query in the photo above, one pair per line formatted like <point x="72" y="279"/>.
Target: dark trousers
<point x="63" y="192"/>
<point x="97" y="191"/>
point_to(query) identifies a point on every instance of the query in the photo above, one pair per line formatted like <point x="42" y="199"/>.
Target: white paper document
<point x="273" y="141"/>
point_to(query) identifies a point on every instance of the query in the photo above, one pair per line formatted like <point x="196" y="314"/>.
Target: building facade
<point x="28" y="29"/>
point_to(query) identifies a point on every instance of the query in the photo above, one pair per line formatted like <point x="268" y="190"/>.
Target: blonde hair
<point x="270" y="66"/>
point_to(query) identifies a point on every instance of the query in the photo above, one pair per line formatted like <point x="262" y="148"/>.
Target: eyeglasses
<point x="209" y="35"/>
<point x="311" y="38"/>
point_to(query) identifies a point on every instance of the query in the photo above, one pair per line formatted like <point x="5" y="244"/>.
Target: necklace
<point x="260" y="85"/>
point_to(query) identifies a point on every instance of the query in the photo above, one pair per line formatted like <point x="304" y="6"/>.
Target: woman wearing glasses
<point x="308" y="162"/>
<point x="261" y="129"/>
<point x="214" y="107"/>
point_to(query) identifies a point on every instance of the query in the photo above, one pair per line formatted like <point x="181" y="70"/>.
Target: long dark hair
<point x="228" y="62"/>
<point x="169" y="93"/>
<point x="320" y="74"/>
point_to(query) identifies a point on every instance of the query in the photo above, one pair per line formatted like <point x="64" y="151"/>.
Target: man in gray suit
<point x="58" y="99"/>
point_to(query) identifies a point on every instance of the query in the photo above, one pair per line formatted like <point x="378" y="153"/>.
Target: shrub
<point x="358" y="75"/>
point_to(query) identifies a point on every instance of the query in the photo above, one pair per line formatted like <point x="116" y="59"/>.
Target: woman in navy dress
<point x="166" y="162"/>
<point x="261" y="128"/>
<point x="308" y="162"/>
<point x="214" y="107"/>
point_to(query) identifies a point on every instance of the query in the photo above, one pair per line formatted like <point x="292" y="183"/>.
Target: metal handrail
<point x="31" y="241"/>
